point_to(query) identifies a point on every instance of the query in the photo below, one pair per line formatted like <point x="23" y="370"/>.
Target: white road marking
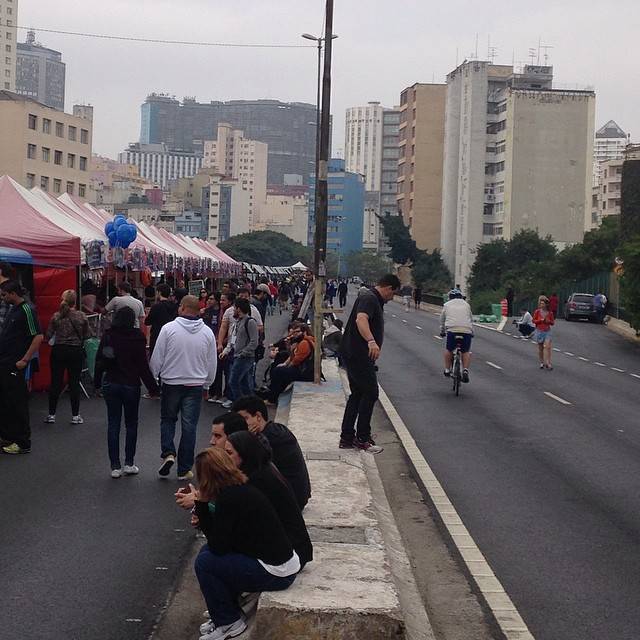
<point x="507" y="333"/>
<point x="418" y="328"/>
<point x="133" y="620"/>
<point x="616" y="369"/>
<point x="568" y="353"/>
<point x="635" y="375"/>
<point x="599" y="364"/>
<point x="438" y="337"/>
<point x="503" y="322"/>
<point x="557" y="398"/>
<point x="583" y="359"/>
<point x="556" y="349"/>
<point x="495" y="366"/>
<point x="405" y="322"/>
<point x="393" y="315"/>
<point x="162" y="568"/>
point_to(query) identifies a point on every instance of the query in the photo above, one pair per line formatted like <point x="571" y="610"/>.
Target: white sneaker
<point x="50" y="419"/>
<point x="116" y="473"/>
<point x="187" y="475"/>
<point x="227" y="631"/>
<point x="77" y="420"/>
<point x="227" y="404"/>
<point x="207" y="627"/>
<point x="131" y="470"/>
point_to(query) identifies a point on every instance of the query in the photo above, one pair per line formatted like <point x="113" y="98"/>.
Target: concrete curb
<point x="491" y="591"/>
<point x="623" y="329"/>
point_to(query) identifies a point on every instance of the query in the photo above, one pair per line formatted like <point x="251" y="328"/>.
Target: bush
<point x="482" y="300"/>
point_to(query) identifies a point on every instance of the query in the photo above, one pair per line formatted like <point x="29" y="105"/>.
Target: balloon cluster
<point x="121" y="232"/>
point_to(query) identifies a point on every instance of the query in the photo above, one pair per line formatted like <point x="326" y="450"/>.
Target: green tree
<point x="368" y="265"/>
<point x="430" y="272"/>
<point x="630" y="281"/>
<point x="267" y="248"/>
<point x="489" y="267"/>
<point x="403" y="247"/>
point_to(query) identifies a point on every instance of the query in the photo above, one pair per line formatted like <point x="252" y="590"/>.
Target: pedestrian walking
<point x="67" y="332"/>
<point x="417" y="297"/>
<point x="600" y="304"/>
<point x="5" y="274"/>
<point x="406" y="297"/>
<point x="19" y="343"/>
<point x="125" y="299"/>
<point x="185" y="359"/>
<point x="543" y="319"/>
<point x="343" y="290"/>
<point x="554" y="303"/>
<point x="509" y="296"/>
<point x="121" y="365"/>
<point x="361" y="345"/>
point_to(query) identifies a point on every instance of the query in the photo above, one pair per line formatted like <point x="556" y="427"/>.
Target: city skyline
<point x="363" y="70"/>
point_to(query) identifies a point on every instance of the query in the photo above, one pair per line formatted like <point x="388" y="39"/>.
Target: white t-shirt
<point x="127" y="301"/>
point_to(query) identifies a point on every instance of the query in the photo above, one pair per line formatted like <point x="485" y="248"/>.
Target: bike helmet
<point x="455" y="293"/>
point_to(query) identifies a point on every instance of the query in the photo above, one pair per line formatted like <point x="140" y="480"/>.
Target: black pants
<point x="343" y="299"/>
<point x="363" y="383"/>
<point x="65" y="358"/>
<point x="282" y="377"/>
<point x="14" y="407"/>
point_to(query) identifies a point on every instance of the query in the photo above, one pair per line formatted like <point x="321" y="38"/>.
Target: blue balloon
<point x="113" y="239"/>
<point x="134" y="231"/>
<point x="122" y="233"/>
<point x="108" y="228"/>
<point x="118" y="221"/>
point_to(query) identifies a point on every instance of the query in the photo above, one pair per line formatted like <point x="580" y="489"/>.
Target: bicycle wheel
<point x="457" y="374"/>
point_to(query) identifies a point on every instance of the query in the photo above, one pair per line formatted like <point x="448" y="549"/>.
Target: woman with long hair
<point x="68" y="329"/>
<point x="543" y="319"/>
<point x="247" y="547"/>
<point x="202" y="299"/>
<point x="251" y="456"/>
<point x="121" y="363"/>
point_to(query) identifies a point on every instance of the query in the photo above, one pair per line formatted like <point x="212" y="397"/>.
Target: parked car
<point x="580" y="305"/>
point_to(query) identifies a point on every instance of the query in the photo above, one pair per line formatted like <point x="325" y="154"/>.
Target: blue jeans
<point x="241" y="378"/>
<point x="178" y="398"/>
<point x="223" y="578"/>
<point x="118" y="397"/>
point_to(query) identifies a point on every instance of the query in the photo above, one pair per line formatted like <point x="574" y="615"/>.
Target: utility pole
<point x="322" y="195"/>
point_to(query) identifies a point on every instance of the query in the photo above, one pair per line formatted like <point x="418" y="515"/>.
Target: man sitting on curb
<point x="287" y="455"/>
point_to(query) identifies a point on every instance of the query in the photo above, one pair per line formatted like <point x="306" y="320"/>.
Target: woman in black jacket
<point x="254" y="460"/>
<point x="121" y="363"/>
<point x="247" y="548"/>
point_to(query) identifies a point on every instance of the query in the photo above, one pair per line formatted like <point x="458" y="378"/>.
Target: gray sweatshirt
<point x="246" y="334"/>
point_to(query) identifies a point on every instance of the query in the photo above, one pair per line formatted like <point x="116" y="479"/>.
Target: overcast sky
<point x="382" y="47"/>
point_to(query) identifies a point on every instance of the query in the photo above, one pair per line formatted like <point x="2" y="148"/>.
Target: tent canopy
<point x="299" y="266"/>
<point x="24" y="227"/>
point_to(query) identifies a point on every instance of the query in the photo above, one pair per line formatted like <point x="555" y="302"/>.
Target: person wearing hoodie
<point x="185" y="358"/>
<point x="121" y="363"/>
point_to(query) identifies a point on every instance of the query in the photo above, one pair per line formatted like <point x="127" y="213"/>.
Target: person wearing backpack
<point x="68" y="329"/>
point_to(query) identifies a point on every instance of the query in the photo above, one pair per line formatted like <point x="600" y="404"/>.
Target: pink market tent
<point x="23" y="226"/>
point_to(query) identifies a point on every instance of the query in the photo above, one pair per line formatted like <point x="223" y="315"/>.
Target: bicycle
<point x="456" y="371"/>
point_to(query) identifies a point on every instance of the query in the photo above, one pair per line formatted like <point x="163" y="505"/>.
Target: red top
<point x="543" y="320"/>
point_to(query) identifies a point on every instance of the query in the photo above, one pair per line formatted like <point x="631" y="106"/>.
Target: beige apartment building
<point x="241" y="159"/>
<point x="8" y="43"/>
<point x="609" y="190"/>
<point x="422" y="115"/>
<point x="43" y="147"/>
<point x="287" y="214"/>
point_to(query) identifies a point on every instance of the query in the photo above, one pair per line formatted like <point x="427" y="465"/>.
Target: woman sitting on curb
<point x="247" y="548"/>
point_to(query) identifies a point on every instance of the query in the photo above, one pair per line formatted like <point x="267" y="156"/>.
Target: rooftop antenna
<point x="476" y="55"/>
<point x="457" y="56"/>
<point x="532" y="55"/>
<point x="492" y="52"/>
<point x="545" y="48"/>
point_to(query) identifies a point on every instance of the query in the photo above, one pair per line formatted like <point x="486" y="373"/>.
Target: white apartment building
<point x="287" y="214"/>
<point x="609" y="189"/>
<point x="8" y="44"/>
<point x="158" y="164"/>
<point x="609" y="144"/>
<point x="241" y="159"/>
<point x="518" y="154"/>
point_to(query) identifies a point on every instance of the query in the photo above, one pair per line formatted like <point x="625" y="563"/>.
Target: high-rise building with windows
<point x="609" y="144"/>
<point x="288" y="128"/>
<point x="40" y="73"/>
<point x="8" y="42"/>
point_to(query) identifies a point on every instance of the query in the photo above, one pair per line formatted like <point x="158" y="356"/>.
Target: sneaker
<point x="187" y="475"/>
<point x="14" y="449"/>
<point x="213" y="400"/>
<point x="227" y="404"/>
<point x="345" y="444"/>
<point x="50" y="419"/>
<point x="465" y="375"/>
<point x="368" y="445"/>
<point x="131" y="470"/>
<point x="447" y="373"/>
<point x="226" y="631"/>
<point x="549" y="367"/>
<point x="207" y="627"/>
<point x="166" y="465"/>
<point x="116" y="473"/>
<point x="542" y="365"/>
<point x="77" y="420"/>
<point x="148" y="396"/>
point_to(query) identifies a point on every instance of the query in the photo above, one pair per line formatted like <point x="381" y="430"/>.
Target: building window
<point x="46" y="125"/>
<point x="83" y="164"/>
<point x="31" y="151"/>
<point x="71" y="160"/>
<point x="7" y="48"/>
<point x="82" y="190"/>
<point x="70" y="187"/>
<point x="31" y="180"/>
<point x="84" y="136"/>
<point x="60" y="129"/>
<point x="44" y="183"/>
<point x="33" y="122"/>
<point x="57" y="158"/>
<point x="57" y="185"/>
<point x="72" y="133"/>
<point x="9" y="35"/>
<point x="46" y="154"/>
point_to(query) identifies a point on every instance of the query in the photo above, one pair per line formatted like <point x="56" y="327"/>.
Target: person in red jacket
<point x="544" y="319"/>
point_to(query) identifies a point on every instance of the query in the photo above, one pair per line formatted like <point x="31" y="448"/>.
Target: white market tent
<point x="298" y="266"/>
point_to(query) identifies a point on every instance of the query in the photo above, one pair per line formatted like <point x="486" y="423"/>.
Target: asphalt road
<point x="543" y="466"/>
<point x="83" y="556"/>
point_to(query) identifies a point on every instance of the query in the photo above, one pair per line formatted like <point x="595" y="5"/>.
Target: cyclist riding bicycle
<point x="456" y="319"/>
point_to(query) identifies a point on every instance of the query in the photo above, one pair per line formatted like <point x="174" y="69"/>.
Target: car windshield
<point x="584" y="298"/>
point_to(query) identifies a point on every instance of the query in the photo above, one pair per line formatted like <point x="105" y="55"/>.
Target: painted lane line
<point x="599" y="364"/>
<point x="618" y="370"/>
<point x="495" y="366"/>
<point x="583" y="359"/>
<point x="404" y="321"/>
<point x="556" y="349"/>
<point x="491" y="590"/>
<point x="635" y="375"/>
<point x="393" y="315"/>
<point x="507" y="333"/>
<point x="438" y="337"/>
<point x="419" y="328"/>
<point x="568" y="353"/>
<point x="556" y="398"/>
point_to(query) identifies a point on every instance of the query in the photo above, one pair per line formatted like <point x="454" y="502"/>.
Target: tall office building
<point x="234" y="156"/>
<point x="518" y="154"/>
<point x="8" y="41"/>
<point x="419" y="195"/>
<point x="609" y="144"/>
<point x="288" y="128"/>
<point x="40" y="73"/>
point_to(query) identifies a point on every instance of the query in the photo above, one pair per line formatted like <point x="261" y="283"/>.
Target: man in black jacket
<point x="287" y="455"/>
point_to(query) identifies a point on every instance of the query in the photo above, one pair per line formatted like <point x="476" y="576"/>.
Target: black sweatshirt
<point x="245" y="522"/>
<point x="288" y="458"/>
<point x="275" y="487"/>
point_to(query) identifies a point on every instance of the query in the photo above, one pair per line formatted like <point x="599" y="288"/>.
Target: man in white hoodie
<point x="456" y="319"/>
<point x="185" y="358"/>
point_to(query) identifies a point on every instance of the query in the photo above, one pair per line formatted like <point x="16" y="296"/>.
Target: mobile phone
<point x="185" y="490"/>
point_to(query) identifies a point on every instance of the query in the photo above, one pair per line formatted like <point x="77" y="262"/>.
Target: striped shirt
<point x="19" y="329"/>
